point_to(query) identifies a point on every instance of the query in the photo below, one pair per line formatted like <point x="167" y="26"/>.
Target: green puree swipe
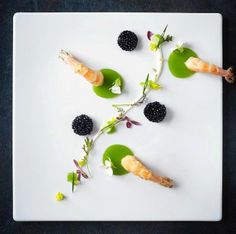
<point x="176" y="63"/>
<point x="116" y="153"/>
<point x="109" y="78"/>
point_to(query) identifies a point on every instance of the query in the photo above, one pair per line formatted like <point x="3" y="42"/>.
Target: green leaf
<point x="164" y="31"/>
<point x="156" y="38"/>
<point x="168" y="38"/>
<point x="181" y="49"/>
<point x="153" y="46"/>
<point x="153" y="85"/>
<point x="82" y="162"/>
<point x="111" y="130"/>
<point x="155" y="70"/>
<point x="117" y="82"/>
<point x="109" y="126"/>
<point x="72" y="178"/>
<point x="145" y="84"/>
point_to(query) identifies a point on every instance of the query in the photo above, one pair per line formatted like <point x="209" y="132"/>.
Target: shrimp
<point x="198" y="65"/>
<point x="132" y="164"/>
<point x="94" y="77"/>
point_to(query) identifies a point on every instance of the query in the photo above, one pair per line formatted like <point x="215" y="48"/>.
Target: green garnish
<point x="109" y="127"/>
<point x="149" y="84"/>
<point x="73" y="178"/>
<point x="158" y="39"/>
<point x="59" y="196"/>
<point x="87" y="147"/>
<point x="145" y="84"/>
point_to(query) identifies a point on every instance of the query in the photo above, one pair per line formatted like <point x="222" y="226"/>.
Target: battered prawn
<point x="198" y="65"/>
<point x="94" y="77"/>
<point x="133" y="165"/>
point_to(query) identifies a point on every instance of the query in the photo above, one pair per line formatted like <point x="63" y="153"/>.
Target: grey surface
<point x="7" y="8"/>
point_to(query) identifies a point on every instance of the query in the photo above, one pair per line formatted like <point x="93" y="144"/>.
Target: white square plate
<point x="187" y="146"/>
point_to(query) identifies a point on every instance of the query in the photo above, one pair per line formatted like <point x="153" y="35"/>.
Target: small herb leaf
<point x="135" y="122"/>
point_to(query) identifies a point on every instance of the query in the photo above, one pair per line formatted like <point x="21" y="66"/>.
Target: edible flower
<point x="129" y="122"/>
<point x="59" y="196"/>
<point x="79" y="171"/>
<point x="75" y="177"/>
<point x="116" y="88"/>
<point x="179" y="46"/>
<point x="108" y="165"/>
<point x="157" y="39"/>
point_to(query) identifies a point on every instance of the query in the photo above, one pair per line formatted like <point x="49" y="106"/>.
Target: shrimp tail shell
<point x="133" y="165"/>
<point x="164" y="181"/>
<point x="230" y="77"/>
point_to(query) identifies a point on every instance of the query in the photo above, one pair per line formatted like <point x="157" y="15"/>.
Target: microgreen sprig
<point x="145" y="85"/>
<point x="156" y="40"/>
<point x="74" y="177"/>
<point x="87" y="147"/>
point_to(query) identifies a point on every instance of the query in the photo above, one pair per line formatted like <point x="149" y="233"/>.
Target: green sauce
<point x="176" y="63"/>
<point x="116" y="153"/>
<point x="109" y="78"/>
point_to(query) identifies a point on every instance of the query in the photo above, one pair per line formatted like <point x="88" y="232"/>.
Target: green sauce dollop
<point x="109" y="78"/>
<point x="116" y="153"/>
<point x="176" y="63"/>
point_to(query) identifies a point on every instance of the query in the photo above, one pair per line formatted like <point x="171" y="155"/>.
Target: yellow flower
<point x="59" y="196"/>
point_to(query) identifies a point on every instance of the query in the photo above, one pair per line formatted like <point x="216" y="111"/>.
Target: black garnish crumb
<point x="82" y="125"/>
<point x="155" y="112"/>
<point x="127" y="40"/>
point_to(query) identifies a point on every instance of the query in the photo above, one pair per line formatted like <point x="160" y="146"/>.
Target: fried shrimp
<point x="94" y="77"/>
<point x="198" y="65"/>
<point x="132" y="164"/>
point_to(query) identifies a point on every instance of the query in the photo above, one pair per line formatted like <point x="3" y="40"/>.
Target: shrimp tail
<point x="198" y="65"/>
<point x="230" y="77"/>
<point x="133" y="165"/>
<point x="94" y="77"/>
<point x="164" y="181"/>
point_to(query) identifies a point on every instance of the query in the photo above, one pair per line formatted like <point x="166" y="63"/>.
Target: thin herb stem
<point x="89" y="144"/>
<point x="73" y="182"/>
<point x="160" y="61"/>
<point x="139" y="99"/>
<point x="122" y="104"/>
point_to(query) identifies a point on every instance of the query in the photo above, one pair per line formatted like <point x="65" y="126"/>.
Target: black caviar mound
<point x="155" y="112"/>
<point x="82" y="125"/>
<point x="127" y="40"/>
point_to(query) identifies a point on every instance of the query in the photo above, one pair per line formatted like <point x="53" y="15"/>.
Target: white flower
<point x="179" y="46"/>
<point x="116" y="88"/>
<point x="108" y="167"/>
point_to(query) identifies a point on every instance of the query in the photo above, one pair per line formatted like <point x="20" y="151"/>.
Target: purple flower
<point x="149" y="35"/>
<point x="130" y="122"/>
<point x="80" y="171"/>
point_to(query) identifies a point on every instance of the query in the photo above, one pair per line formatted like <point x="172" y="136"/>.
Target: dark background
<point x="7" y="8"/>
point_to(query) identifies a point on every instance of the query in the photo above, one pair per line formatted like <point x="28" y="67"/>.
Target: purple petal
<point x="79" y="174"/>
<point x="127" y="118"/>
<point x="135" y="122"/>
<point x="149" y="35"/>
<point x="128" y="124"/>
<point x="84" y="175"/>
<point x="76" y="164"/>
